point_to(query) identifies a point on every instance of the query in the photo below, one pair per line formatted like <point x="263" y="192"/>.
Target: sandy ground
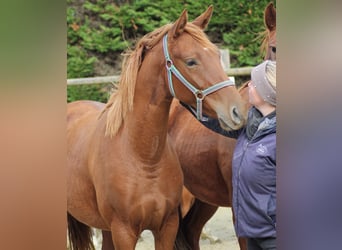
<point x="219" y="229"/>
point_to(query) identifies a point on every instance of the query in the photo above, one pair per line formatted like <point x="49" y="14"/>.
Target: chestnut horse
<point x="123" y="174"/>
<point x="206" y="156"/>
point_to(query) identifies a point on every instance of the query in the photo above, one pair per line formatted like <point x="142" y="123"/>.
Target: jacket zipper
<point x="238" y="179"/>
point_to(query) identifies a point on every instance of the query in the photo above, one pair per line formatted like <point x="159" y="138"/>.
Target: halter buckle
<point x="199" y="95"/>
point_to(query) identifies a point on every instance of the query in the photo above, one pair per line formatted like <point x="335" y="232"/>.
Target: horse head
<point x="195" y="75"/>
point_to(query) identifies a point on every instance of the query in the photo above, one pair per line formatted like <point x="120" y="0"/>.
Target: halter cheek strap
<point x="199" y="94"/>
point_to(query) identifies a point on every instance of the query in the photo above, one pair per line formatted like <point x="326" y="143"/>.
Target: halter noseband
<point x="199" y="94"/>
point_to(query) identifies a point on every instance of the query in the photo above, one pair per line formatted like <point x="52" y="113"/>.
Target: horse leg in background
<point x="80" y="235"/>
<point x="242" y="243"/>
<point x="187" y="201"/>
<point x="195" y="220"/>
<point x="107" y="241"/>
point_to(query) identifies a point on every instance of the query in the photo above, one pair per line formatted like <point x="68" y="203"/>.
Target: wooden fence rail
<point x="113" y="79"/>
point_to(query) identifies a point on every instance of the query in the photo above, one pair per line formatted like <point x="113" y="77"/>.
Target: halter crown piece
<point x="199" y="94"/>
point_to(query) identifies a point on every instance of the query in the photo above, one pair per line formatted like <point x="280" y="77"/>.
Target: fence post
<point x="225" y="59"/>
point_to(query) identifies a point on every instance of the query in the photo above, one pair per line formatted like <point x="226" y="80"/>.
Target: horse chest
<point x="151" y="211"/>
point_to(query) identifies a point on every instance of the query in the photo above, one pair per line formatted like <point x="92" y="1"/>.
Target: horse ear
<point x="270" y="17"/>
<point x="179" y="25"/>
<point x="203" y="20"/>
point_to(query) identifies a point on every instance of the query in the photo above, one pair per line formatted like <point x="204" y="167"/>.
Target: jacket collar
<point x="257" y="122"/>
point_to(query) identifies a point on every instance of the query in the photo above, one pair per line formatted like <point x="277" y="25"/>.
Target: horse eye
<point x="274" y="49"/>
<point x="191" y="62"/>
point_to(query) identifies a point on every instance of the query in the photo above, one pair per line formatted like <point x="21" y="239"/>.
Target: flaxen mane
<point x="265" y="36"/>
<point x="121" y="101"/>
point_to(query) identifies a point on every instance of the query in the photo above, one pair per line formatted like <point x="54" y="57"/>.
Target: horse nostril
<point x="235" y="115"/>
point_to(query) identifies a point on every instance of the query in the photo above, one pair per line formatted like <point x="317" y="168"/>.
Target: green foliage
<point x="244" y="26"/>
<point x="79" y="64"/>
<point x="96" y="92"/>
<point x="99" y="29"/>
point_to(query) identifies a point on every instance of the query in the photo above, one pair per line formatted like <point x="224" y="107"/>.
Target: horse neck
<point x="147" y="123"/>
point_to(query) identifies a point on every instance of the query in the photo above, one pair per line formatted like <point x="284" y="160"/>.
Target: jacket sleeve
<point x="213" y="124"/>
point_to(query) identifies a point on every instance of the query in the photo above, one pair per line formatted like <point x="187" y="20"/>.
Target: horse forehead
<point x="197" y="51"/>
<point x="206" y="50"/>
<point x="189" y="41"/>
<point x="191" y="44"/>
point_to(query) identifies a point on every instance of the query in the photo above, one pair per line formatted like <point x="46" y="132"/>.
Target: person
<point x="254" y="161"/>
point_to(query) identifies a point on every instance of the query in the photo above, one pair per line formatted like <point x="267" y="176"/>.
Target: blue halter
<point x="199" y="94"/>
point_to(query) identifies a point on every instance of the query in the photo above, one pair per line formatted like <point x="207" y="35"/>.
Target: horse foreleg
<point x="195" y="220"/>
<point x="166" y="237"/>
<point x="123" y="236"/>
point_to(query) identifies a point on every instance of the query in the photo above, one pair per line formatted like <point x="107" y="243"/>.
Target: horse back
<point x="78" y="109"/>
